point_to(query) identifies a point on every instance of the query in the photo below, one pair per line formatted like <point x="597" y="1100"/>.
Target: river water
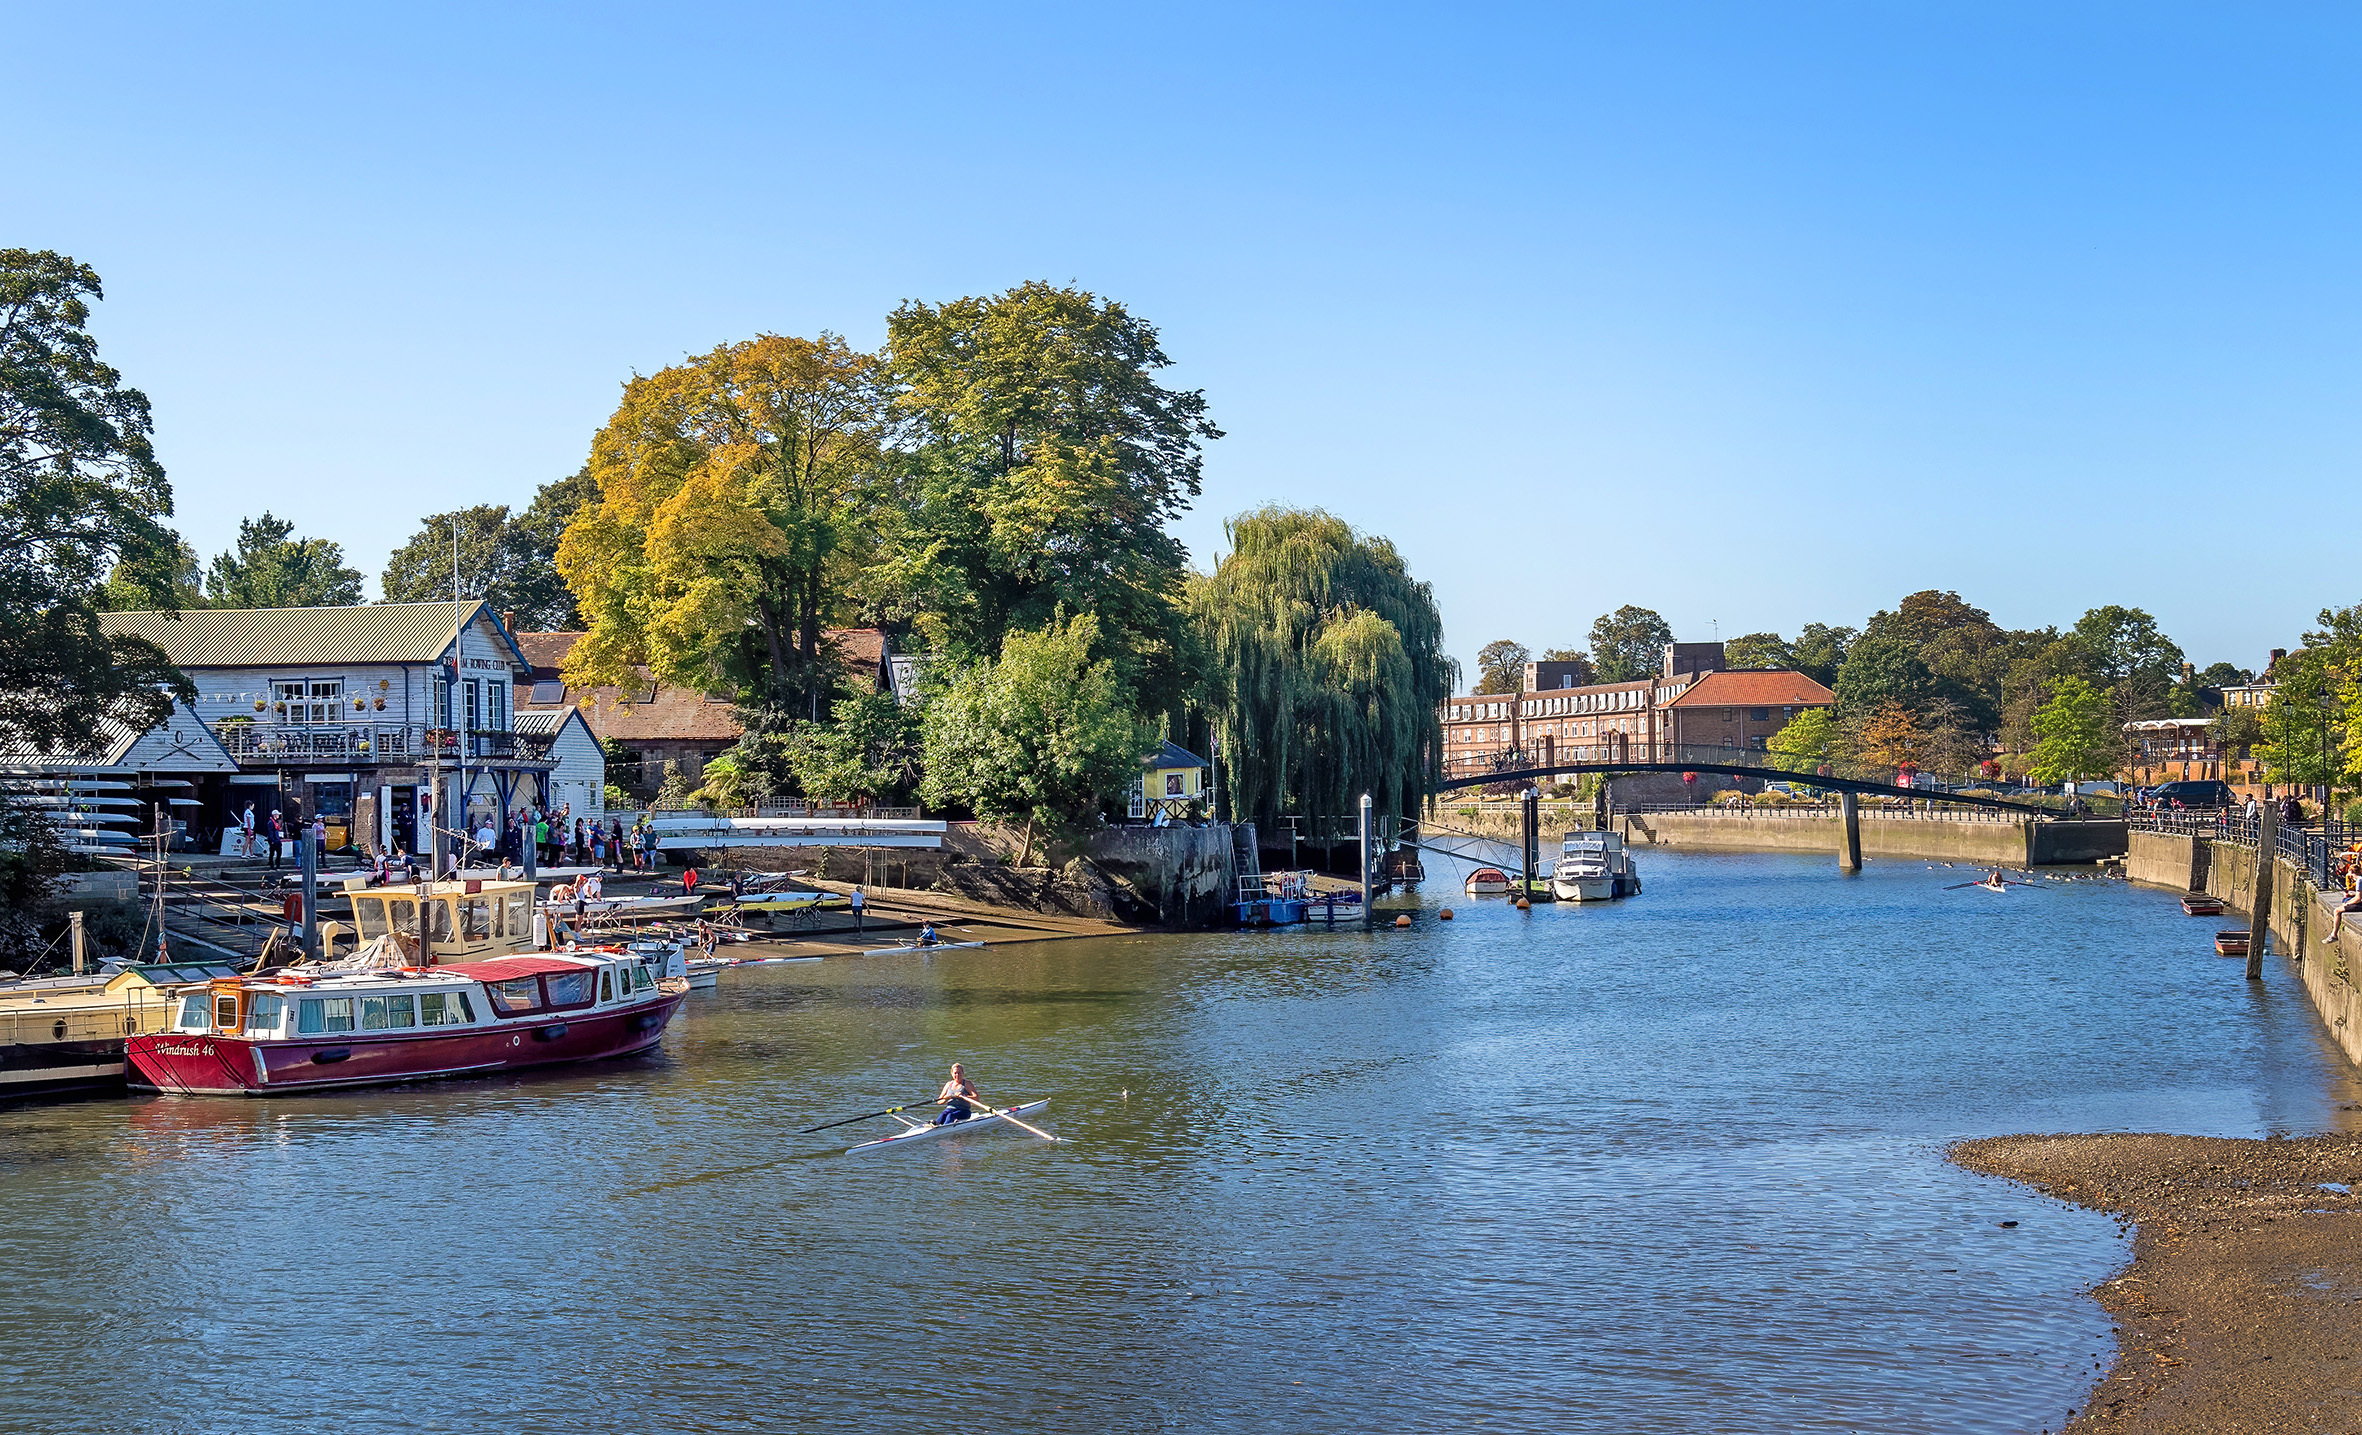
<point x="1672" y="1164"/>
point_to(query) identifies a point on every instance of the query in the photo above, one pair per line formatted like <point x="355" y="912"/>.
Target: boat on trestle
<point x="374" y="1023"/>
<point x="1594" y="867"/>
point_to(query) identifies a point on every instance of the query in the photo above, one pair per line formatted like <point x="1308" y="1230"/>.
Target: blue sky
<point x="1757" y="315"/>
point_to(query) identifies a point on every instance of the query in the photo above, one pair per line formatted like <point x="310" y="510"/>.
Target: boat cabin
<point x="96" y="1006"/>
<point x="397" y="1004"/>
<point x="465" y="921"/>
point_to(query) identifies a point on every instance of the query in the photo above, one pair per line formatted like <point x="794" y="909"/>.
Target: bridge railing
<point x="1772" y="766"/>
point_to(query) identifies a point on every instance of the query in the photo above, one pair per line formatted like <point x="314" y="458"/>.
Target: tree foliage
<point x="1042" y="461"/>
<point x="1810" y="736"/>
<point x="171" y="582"/>
<point x="1881" y="670"/>
<point x="2076" y="734"/>
<point x="869" y="749"/>
<point x="507" y="559"/>
<point x="1040" y="735"/>
<point x="1500" y="666"/>
<point x="272" y="568"/>
<point x="81" y="494"/>
<point x="733" y="492"/>
<point x="1332" y="666"/>
<point x="1758" y="650"/>
<point x="1819" y="652"/>
<point x="1629" y="644"/>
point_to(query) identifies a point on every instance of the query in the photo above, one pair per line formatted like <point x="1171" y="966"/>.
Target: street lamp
<point x="2321" y="696"/>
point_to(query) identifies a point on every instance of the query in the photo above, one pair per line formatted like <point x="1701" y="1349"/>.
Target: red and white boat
<point x="1487" y="882"/>
<point x="334" y="1027"/>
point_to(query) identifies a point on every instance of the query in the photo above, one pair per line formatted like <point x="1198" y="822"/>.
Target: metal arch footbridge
<point x="1531" y="762"/>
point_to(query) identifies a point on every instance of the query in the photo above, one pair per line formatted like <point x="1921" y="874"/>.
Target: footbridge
<point x="1530" y="763"/>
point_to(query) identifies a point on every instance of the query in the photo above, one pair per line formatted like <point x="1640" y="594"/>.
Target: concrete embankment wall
<point x="2010" y="843"/>
<point x="2300" y="918"/>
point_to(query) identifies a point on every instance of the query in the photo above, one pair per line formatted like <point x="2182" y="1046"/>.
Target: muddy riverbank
<point x="2242" y="1308"/>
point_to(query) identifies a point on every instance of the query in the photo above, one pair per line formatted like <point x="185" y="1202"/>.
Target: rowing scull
<point x="914" y="1131"/>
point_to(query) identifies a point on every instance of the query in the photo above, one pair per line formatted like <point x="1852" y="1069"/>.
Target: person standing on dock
<point x="278" y="838"/>
<point x="859" y="926"/>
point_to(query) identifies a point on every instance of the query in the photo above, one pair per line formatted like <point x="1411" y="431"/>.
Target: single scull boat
<point x="915" y="1131"/>
<point x="918" y="947"/>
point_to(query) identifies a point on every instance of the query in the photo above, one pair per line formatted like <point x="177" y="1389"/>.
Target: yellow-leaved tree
<point x="731" y="518"/>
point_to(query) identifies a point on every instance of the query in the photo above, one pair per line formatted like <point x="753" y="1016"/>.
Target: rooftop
<point x="263" y="637"/>
<point x="1778" y="687"/>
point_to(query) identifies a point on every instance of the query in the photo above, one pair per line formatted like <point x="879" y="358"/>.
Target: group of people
<point x="275" y="831"/>
<point x="560" y="839"/>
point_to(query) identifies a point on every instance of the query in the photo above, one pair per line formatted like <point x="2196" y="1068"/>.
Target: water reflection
<point x="1671" y="1164"/>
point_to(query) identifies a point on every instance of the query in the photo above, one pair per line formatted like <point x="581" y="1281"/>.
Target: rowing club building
<point x="375" y="717"/>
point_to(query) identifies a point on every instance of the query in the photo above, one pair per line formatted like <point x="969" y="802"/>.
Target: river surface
<point x="1673" y="1164"/>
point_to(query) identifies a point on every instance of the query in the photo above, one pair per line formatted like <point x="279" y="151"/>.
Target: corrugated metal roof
<point x="267" y="637"/>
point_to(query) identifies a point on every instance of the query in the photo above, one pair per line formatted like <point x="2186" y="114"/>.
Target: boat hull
<point x="182" y="1063"/>
<point x="1584" y="889"/>
<point x="27" y="1069"/>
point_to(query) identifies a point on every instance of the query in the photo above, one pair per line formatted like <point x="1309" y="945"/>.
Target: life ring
<point x="291" y="908"/>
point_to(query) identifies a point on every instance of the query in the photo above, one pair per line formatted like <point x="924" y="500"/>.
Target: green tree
<point x="1042" y="461"/>
<point x="734" y="500"/>
<point x="1819" y="652"/>
<point x="272" y="568"/>
<point x="2076" y="734"/>
<point x="870" y="748"/>
<point x="2138" y="663"/>
<point x="422" y="570"/>
<point x="1500" y="666"/>
<point x="171" y="582"/>
<point x="1758" y="650"/>
<point x="1880" y="670"/>
<point x="2303" y="737"/>
<point x="81" y="493"/>
<point x="1809" y="737"/>
<point x="507" y="559"/>
<point x="1328" y="667"/>
<point x="1629" y="644"/>
<point x="1040" y="735"/>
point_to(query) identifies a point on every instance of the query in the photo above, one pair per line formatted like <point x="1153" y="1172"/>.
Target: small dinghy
<point x="2231" y="944"/>
<point x="2199" y="906"/>
<point x="1487" y="882"/>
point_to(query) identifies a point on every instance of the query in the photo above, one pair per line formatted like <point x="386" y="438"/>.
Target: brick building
<point x="1693" y="700"/>
<point x="1743" y="710"/>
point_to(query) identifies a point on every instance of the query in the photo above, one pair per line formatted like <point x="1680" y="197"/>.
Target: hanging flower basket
<point x="258" y="705"/>
<point x="381" y="704"/>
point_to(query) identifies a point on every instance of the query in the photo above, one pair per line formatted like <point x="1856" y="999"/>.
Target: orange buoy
<point x="1402" y="921"/>
<point x="1523" y="905"/>
<point x="1444" y="916"/>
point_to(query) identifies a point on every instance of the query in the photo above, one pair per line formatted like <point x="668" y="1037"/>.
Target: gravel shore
<point x="2242" y="1309"/>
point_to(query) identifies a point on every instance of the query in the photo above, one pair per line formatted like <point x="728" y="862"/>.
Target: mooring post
<point x="311" y="895"/>
<point x="74" y="920"/>
<point x="1849" y="852"/>
<point x="1532" y="814"/>
<point x="2259" y="892"/>
<point x="1368" y="918"/>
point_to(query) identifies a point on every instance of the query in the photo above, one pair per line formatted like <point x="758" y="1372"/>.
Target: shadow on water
<point x="1673" y="1164"/>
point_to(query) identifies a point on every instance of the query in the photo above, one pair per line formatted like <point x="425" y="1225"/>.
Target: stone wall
<point x="2299" y="920"/>
<point x="1187" y="874"/>
<point x="2006" y="843"/>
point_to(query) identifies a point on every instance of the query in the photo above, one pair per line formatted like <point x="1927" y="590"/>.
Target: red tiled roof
<point x="1763" y="690"/>
<point x="653" y="712"/>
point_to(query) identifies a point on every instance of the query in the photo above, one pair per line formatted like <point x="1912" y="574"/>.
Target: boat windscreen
<point x="521" y="994"/>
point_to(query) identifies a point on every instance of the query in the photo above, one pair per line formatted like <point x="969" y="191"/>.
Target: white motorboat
<point x="1593" y="867"/>
<point x="913" y="1131"/>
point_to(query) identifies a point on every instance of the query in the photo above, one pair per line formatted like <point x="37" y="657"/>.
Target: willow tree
<point x="732" y="498"/>
<point x="1328" y="667"/>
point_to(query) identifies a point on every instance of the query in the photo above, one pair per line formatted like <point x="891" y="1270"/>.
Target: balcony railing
<point x="305" y="744"/>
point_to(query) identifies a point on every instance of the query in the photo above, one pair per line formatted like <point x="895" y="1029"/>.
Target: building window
<point x="496" y="706"/>
<point x="475" y="705"/>
<point x="1759" y="714"/>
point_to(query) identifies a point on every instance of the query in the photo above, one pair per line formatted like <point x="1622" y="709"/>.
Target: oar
<point x="872" y="1115"/>
<point x="1013" y="1121"/>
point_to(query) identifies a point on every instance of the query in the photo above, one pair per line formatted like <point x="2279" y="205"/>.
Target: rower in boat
<point x="927" y="937"/>
<point x="955" y="1096"/>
